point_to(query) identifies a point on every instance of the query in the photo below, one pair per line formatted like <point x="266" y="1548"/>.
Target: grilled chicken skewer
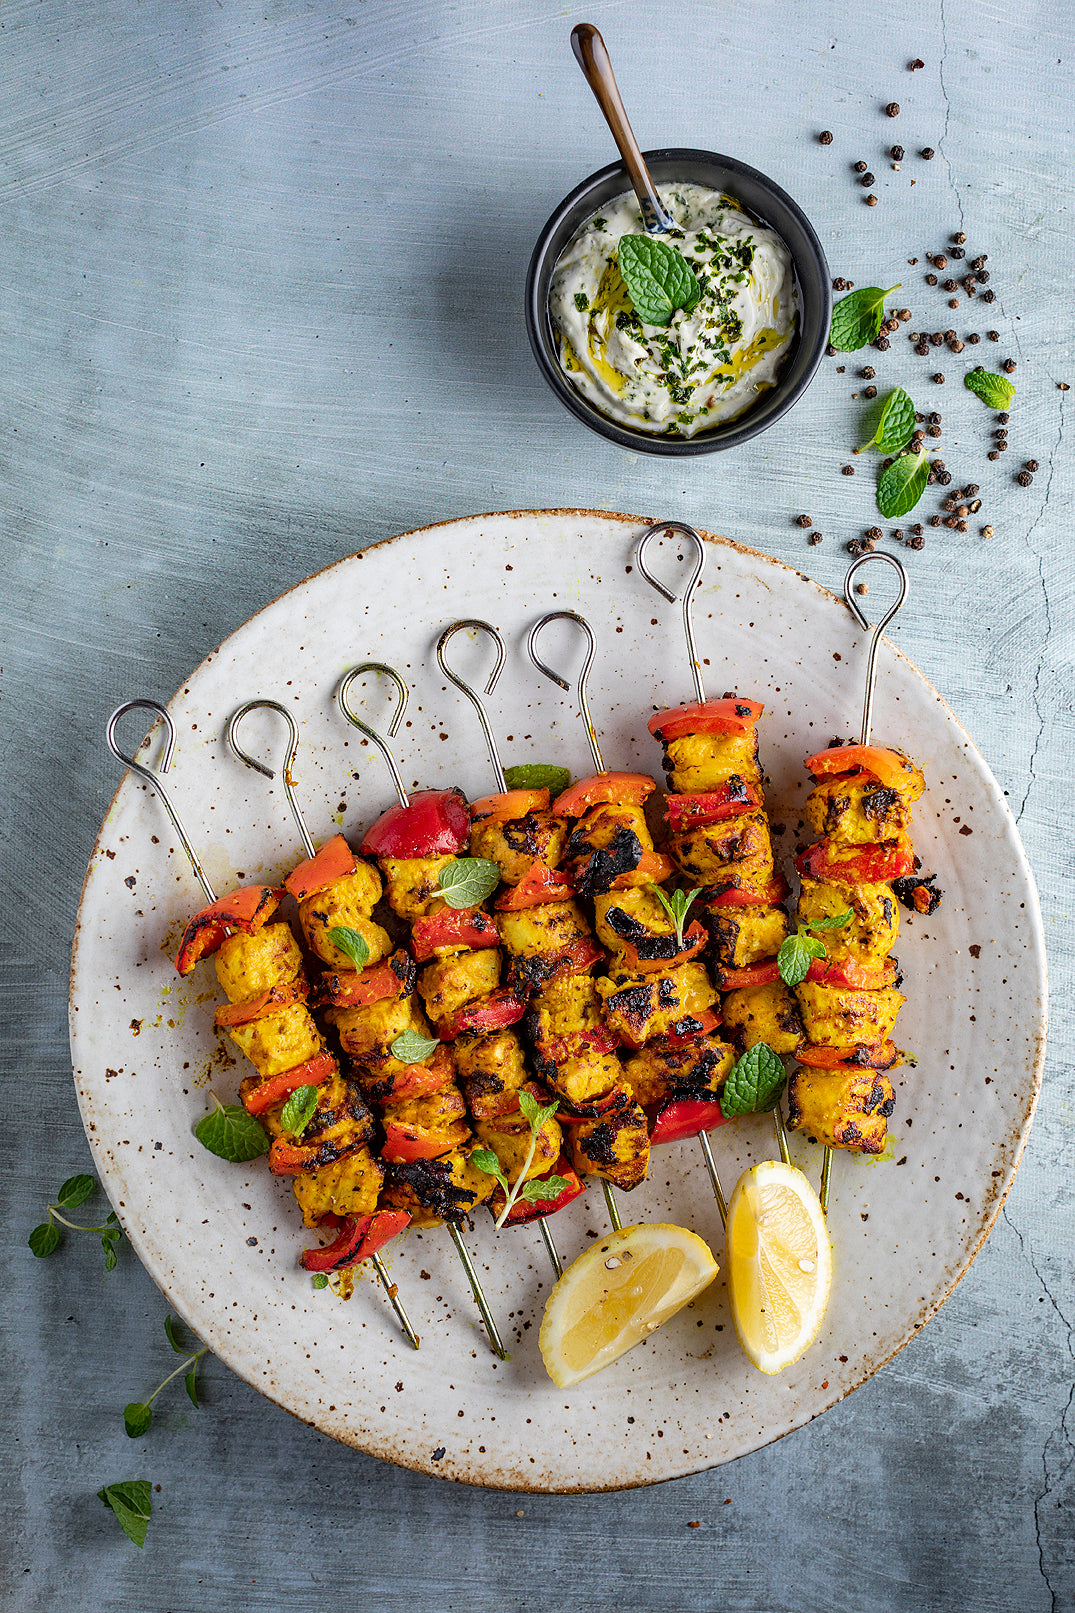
<point x="259" y="965"/>
<point x="860" y="804"/>
<point x="657" y="996"/>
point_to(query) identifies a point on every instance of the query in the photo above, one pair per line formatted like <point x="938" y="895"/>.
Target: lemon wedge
<point x="779" y="1264"/>
<point x="617" y="1293"/>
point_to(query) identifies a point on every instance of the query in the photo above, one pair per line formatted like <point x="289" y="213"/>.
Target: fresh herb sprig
<point x="994" y="390"/>
<point x="900" y="487"/>
<point x="677" y="905"/>
<point x="297" y="1112"/>
<point x="797" y="951"/>
<point x="659" y="279"/>
<point x="130" y="1501"/>
<point x="754" y="1084"/>
<point x="895" y="424"/>
<point x="411" y="1047"/>
<point x="538" y="776"/>
<point x="467" y="881"/>
<point x="228" y="1131"/>
<point x="530" y="1191"/>
<point x="138" y="1416"/>
<point x="351" y="943"/>
<point x="45" y="1239"/>
<point x="856" y="319"/>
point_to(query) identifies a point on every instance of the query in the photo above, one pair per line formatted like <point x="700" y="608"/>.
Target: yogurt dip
<point x="710" y="364"/>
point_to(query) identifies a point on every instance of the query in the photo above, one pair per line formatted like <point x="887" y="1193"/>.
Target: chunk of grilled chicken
<point x="509" y="1137"/>
<point x="641" y="1006"/>
<point x="842" y="1108"/>
<point x="491" y="1071"/>
<point x="635" y="921"/>
<point x="367" y="1034"/>
<point x="566" y="1005"/>
<point x="721" y="853"/>
<point x="460" y="978"/>
<point x="248" y="965"/>
<point x="857" y="811"/>
<point x="279" y="1041"/>
<point x="606" y="847"/>
<point x="535" y="932"/>
<point x="345" y="903"/>
<point x="581" y="1078"/>
<point x="662" y="1070"/>
<point x="874" y="926"/>
<point x="437" y="1190"/>
<point x="763" y="1014"/>
<point x="412" y="884"/>
<point x="349" y="1186"/>
<point x="739" y="936"/>
<point x="699" y="762"/>
<point x="514" y="843"/>
<point x="837" y="1016"/>
<point x="614" y="1146"/>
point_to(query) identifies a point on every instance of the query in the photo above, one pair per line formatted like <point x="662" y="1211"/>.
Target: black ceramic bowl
<point x="764" y="201"/>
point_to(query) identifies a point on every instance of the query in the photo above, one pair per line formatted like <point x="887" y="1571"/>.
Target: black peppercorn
<point x="1024" y="478"/>
<point x="989" y="296"/>
<point x="940" y="260"/>
<point x="974" y="338"/>
<point x="949" y="504"/>
<point x="897" y="153"/>
<point x="931" y="280"/>
<point x="825" y="137"/>
<point x="815" y="537"/>
<point x="839" y="284"/>
<point x="927" y="152"/>
<point x="917" y="63"/>
<point x="874" y="532"/>
<point x="934" y="520"/>
<point x="871" y="200"/>
<point x="830" y="351"/>
<point x="938" y="378"/>
<point x="994" y="453"/>
<point x="961" y="526"/>
<point x="917" y="529"/>
<point x="1031" y="464"/>
<point x="859" y="167"/>
<point x="983" y="276"/>
<point x="898" y="534"/>
<point x="971" y="488"/>
<point x="893" y="109"/>
<point x="944" y="478"/>
<point x="948" y="285"/>
<point x="959" y="238"/>
<point x="1002" y="418"/>
<point x="980" y="262"/>
<point x="956" y="346"/>
<point x="867" y="179"/>
<point x="883" y="344"/>
<point x="933" y="431"/>
<point x="804" y="520"/>
<point x="869" y="392"/>
<point x="917" y="542"/>
<point x="922" y="349"/>
<point x="1008" y="365"/>
<point x="904" y="315"/>
<point x="957" y="252"/>
<point x="847" y="470"/>
<point x="868" y="373"/>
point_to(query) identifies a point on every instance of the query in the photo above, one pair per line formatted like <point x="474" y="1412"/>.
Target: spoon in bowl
<point x="592" y="56"/>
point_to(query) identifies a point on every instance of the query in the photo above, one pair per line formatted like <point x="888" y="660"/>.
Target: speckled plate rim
<point x="564" y="1476"/>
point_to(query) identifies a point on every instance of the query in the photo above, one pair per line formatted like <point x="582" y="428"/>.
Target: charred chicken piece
<point x="842" y="1108"/>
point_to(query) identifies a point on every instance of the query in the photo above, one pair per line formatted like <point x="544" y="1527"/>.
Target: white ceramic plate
<point x="222" y="1240"/>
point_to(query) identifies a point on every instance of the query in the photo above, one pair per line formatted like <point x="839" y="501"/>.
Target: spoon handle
<point x="592" y="56"/>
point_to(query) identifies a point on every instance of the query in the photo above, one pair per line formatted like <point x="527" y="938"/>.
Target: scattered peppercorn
<point x="1063" y="386"/>
<point x="953" y="302"/>
<point x="956" y="346"/>
<point x="917" y="529"/>
<point x="867" y="179"/>
<point x="847" y="470"/>
<point x="825" y="137"/>
<point x="859" y="167"/>
<point x="815" y="537"/>
<point x="937" y="338"/>
<point x="982" y="276"/>
<point x="949" y="505"/>
<point x="971" y="487"/>
<point x="839" y="284"/>
<point x="869" y="392"/>
<point x="1002" y="418"/>
<point x="885" y="463"/>
<point x="938" y="464"/>
<point x="1024" y="478"/>
<point x="987" y="532"/>
<point x="904" y="315"/>
<point x="938" y="378"/>
<point x="989" y="296"/>
<point x="917" y="542"/>
<point x="830" y="351"/>
<point x="959" y="238"/>
<point x="915" y="65"/>
<point x="882" y="344"/>
<point x="974" y="338"/>
<point x="975" y="505"/>
<point x="898" y="534"/>
<point x="994" y="335"/>
<point x="931" y="280"/>
<point x="871" y="200"/>
<point x="1008" y="365"/>
<point x="922" y="349"/>
<point x="893" y="109"/>
<point x="979" y="262"/>
<point x="897" y="153"/>
<point x="804" y="520"/>
<point x="934" y="520"/>
<point x="933" y="431"/>
<point x="957" y="252"/>
<point x="927" y="152"/>
<point x="944" y="477"/>
<point x="940" y="260"/>
<point x="962" y="526"/>
<point x="1030" y="464"/>
<point x="994" y="453"/>
<point x="868" y="373"/>
<point x="874" y="532"/>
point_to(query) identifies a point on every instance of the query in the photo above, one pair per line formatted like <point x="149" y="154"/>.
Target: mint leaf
<point x="538" y="776"/>
<point x="539" y="1190"/>
<point x="75" y="1191"/>
<point x="108" y="1245"/>
<point x="319" y="1280"/>
<point x="44" y="1240"/>
<point x="350" y="942"/>
<point x="467" y="881"/>
<point x="857" y="319"/>
<point x="487" y="1161"/>
<point x="191" y="1381"/>
<point x="895" y="424"/>
<point x="836" y="921"/>
<point x="658" y="278"/>
<point x="677" y="906"/>
<point x="137" y="1418"/>
<point x="900" y="487"/>
<point x="994" y="390"/>
<point x="295" y="1115"/>
<point x="793" y="959"/>
<point x="231" y="1133"/>
<point x="173" y="1338"/>
<point x="754" y="1084"/>
<point x="411" y="1047"/>
<point x="131" y="1504"/>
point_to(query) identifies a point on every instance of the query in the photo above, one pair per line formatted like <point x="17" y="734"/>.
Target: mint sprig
<point x="411" y="1047"/>
<point x="677" y="905"/>
<point x="45" y="1239"/>
<point x="996" y="391"/>
<point x="138" y="1416"/>
<point x="798" y="951"/>
<point x="231" y="1133"/>
<point x="754" y="1084"/>
<point x="351" y="943"/>
<point x="130" y="1501"/>
<point x="895" y="424"/>
<point x="900" y="487"/>
<point x="531" y="1192"/>
<point x="467" y="881"/>
<point x="856" y="319"/>
<point x="658" y="278"/>
<point x="298" y="1110"/>
<point x="538" y="776"/>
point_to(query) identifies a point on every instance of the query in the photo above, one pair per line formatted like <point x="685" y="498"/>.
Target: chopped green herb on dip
<point x="712" y="361"/>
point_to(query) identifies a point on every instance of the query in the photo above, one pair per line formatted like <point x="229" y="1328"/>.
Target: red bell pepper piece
<point x="702" y="1024"/>
<point x="245" y="909"/>
<point x="269" y="1002"/>
<point x="652" y="868"/>
<point x="582" y="1113"/>
<point x="872" y="865"/>
<point x="334" y="860"/>
<point x="463" y="927"/>
<point x="538" y="885"/>
<point x="694" y="939"/>
<point x="404" y="1144"/>
<point x="755" y="974"/>
<point x="509" y="804"/>
<point x="263" y="1095"/>
<point x="887" y="766"/>
<point x="413" y="1080"/>
<point x="856" y="976"/>
<point x="626" y="789"/>
<point x="710" y="806"/>
<point x="507" y="1103"/>
<point x="767" y="895"/>
<point x="435" y="823"/>
<point x="732" y="716"/>
<point x="581" y="954"/>
<point x="360" y="1236"/>
<point x="579" y="1044"/>
<point x="524" y="1210"/>
<point x="857" y="1057"/>
<point x="352" y="988"/>
<point x="501" y="1008"/>
<point x="685" y="1117"/>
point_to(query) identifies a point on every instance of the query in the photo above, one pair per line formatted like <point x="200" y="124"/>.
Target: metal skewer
<point x="687" y="601"/>
<point x="343" y="701"/>
<point x="867" y="716"/>
<point x="231" y="733"/>
<point x="501" y="784"/>
<point x="154" y="778"/>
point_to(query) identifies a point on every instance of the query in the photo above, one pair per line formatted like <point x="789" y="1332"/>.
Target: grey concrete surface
<point x="260" y="282"/>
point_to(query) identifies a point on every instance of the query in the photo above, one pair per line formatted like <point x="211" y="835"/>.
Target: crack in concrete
<point x="1060" y="1439"/>
<point x="941" y="143"/>
<point x="1038" y="670"/>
